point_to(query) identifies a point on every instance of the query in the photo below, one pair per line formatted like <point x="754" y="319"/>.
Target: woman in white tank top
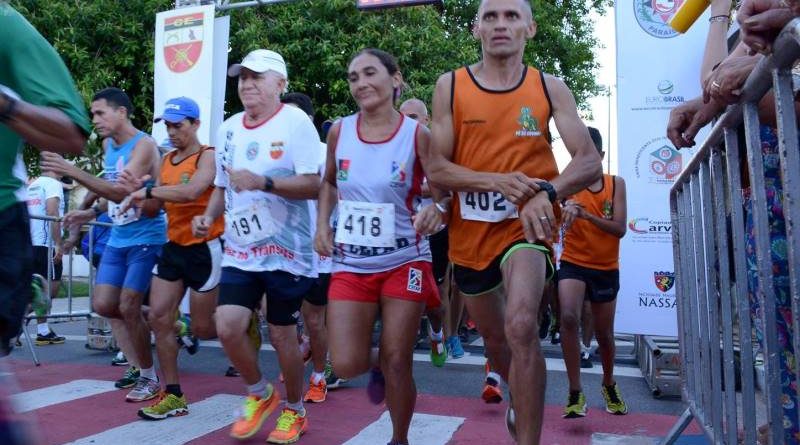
<point x="381" y="257"/>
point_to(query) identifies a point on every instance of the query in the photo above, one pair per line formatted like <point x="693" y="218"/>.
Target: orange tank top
<point x="584" y="243"/>
<point x="496" y="131"/>
<point x="180" y="214"/>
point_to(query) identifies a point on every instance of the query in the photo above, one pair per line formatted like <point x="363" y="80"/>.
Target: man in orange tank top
<point x="184" y="188"/>
<point x="594" y="221"/>
<point x="491" y="146"/>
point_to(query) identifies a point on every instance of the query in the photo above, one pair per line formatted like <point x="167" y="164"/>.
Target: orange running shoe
<point x="491" y="394"/>
<point x="316" y="392"/>
<point x="254" y="412"/>
<point x="290" y="426"/>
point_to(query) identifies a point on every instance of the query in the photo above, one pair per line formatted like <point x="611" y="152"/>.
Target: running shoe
<point x="254" y="412"/>
<point x="50" y="339"/>
<point x="167" y="405"/>
<point x="614" y="403"/>
<point x="290" y="426"/>
<point x="119" y="360"/>
<point x="232" y="372"/>
<point x="576" y="405"/>
<point x="316" y="391"/>
<point x="454" y="347"/>
<point x="491" y="389"/>
<point x="128" y="379"/>
<point x="586" y="358"/>
<point x="332" y="381"/>
<point x="185" y="336"/>
<point x="376" y="388"/>
<point x="145" y="389"/>
<point x="438" y="353"/>
<point x="555" y="334"/>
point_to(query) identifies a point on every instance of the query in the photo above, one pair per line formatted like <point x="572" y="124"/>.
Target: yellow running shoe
<point x="168" y="405"/>
<point x="254" y="412"/>
<point x="290" y="426"/>
<point x="316" y="392"/>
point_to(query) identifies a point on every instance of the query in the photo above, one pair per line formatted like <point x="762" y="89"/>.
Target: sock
<point x="259" y="389"/>
<point x="149" y="373"/>
<point x="298" y="407"/>
<point x="42" y="328"/>
<point x="174" y="389"/>
<point x="436" y="336"/>
<point x="492" y="376"/>
<point x="316" y="377"/>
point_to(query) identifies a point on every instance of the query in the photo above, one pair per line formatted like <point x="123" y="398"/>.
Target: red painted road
<point x="346" y="412"/>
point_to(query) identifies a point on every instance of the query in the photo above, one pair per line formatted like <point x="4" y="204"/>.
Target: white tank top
<point x="379" y="188"/>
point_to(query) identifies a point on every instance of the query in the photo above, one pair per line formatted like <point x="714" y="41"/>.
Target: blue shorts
<point x="128" y="267"/>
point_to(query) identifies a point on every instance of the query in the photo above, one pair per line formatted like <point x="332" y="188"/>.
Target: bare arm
<point x="616" y="225"/>
<point x="45" y="127"/>
<point x="323" y="239"/>
<point x="197" y="185"/>
<point x="585" y="166"/>
<point x="51" y="209"/>
<point x="716" y="40"/>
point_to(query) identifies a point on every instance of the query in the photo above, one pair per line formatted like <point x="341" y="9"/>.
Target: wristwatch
<point x="268" y="184"/>
<point x="148" y="191"/>
<point x="7" y="111"/>
<point x="549" y="189"/>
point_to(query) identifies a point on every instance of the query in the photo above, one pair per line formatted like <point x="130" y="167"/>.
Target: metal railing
<point x="67" y="280"/>
<point x="708" y="220"/>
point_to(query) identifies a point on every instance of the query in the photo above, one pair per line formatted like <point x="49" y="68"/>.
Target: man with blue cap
<point x="184" y="187"/>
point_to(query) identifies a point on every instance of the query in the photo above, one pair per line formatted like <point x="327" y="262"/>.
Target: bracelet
<point x="442" y="209"/>
<point x="720" y="18"/>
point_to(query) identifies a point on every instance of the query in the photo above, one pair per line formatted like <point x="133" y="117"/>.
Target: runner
<point x="184" y="187"/>
<point x="267" y="171"/>
<point x="123" y="277"/>
<point x="382" y="259"/>
<point x="491" y="118"/>
<point x="595" y="222"/>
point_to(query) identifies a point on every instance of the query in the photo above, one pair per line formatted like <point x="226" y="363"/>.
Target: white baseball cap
<point x="260" y="61"/>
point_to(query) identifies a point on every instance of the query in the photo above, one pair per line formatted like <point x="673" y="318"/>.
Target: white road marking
<point x="425" y="428"/>
<point x="65" y="392"/>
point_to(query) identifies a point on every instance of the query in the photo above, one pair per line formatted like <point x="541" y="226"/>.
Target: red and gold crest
<point x="183" y="41"/>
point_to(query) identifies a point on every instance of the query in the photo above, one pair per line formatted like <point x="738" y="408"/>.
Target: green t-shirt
<point x="32" y="69"/>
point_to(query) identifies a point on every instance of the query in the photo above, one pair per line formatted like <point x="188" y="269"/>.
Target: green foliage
<point x="110" y="42"/>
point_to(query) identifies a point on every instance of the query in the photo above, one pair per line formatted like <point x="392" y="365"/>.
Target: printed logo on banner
<point x="529" y="124"/>
<point x="644" y="229"/>
<point x="252" y="151"/>
<point x="658" y="162"/>
<point x="653" y="16"/>
<point x="664" y="280"/>
<point x="414" y="280"/>
<point x="183" y="41"/>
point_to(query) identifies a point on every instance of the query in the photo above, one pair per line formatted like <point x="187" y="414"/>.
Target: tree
<point x="110" y="42"/>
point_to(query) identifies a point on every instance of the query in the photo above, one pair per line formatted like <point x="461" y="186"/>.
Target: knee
<point x="521" y="329"/>
<point x="348" y="367"/>
<point x="203" y="329"/>
<point x="605" y="339"/>
<point x="227" y="332"/>
<point x="396" y="363"/>
<point x="569" y="321"/>
<point x="161" y="322"/>
<point x="105" y="308"/>
<point x="314" y="321"/>
<point x="283" y="336"/>
<point x="130" y="311"/>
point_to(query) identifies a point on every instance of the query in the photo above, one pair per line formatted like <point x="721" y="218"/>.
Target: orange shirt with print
<point x="585" y="244"/>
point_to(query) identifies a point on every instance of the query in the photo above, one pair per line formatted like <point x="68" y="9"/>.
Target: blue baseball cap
<point x="178" y="109"/>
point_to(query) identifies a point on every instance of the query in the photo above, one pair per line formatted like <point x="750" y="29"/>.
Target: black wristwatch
<point x="148" y="191"/>
<point x="547" y="187"/>
<point x="268" y="184"/>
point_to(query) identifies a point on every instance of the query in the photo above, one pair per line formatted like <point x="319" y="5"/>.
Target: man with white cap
<point x="267" y="162"/>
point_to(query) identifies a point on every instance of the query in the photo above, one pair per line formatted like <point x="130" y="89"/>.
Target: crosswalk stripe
<point x="614" y="439"/>
<point x="65" y="392"/>
<point x="204" y="417"/>
<point x="425" y="428"/>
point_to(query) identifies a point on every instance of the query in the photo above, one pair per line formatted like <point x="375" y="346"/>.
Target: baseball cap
<point x="260" y="61"/>
<point x="178" y="109"/>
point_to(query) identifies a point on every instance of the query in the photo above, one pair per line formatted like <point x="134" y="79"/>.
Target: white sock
<point x="42" y="328"/>
<point x="436" y="336"/>
<point x="259" y="389"/>
<point x="316" y="377"/>
<point x="149" y="373"/>
<point x="297" y="406"/>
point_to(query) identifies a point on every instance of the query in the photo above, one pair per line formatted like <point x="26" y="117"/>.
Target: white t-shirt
<point x="263" y="231"/>
<point x="39" y="191"/>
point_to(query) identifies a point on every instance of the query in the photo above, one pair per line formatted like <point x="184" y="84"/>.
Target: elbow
<point x="74" y="143"/>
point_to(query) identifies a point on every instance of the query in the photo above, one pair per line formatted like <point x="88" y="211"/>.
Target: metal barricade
<point x="70" y="314"/>
<point x="710" y="260"/>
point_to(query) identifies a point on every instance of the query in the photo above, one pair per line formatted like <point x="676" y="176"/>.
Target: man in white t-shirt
<point x="267" y="160"/>
<point x="45" y="199"/>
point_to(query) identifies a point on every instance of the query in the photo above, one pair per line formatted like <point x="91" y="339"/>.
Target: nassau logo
<point x="252" y="151"/>
<point x="664" y="280"/>
<point x="183" y="41"/>
<point x="398" y="175"/>
<point x="414" y="280"/>
<point x="529" y="124"/>
<point x="654" y="15"/>
<point x="342" y="171"/>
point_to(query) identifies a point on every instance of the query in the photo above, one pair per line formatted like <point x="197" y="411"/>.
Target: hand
<point x="77" y="218"/>
<point x="725" y="83"/>
<point x="323" y="240"/>
<point x="134" y="200"/>
<point x="56" y="163"/>
<point x="244" y="179"/>
<point x="131" y="183"/>
<point x="687" y="119"/>
<point x="570" y="212"/>
<point x="516" y="186"/>
<point x="57" y="254"/>
<point x="538" y="219"/>
<point x="428" y="221"/>
<point x="761" y="21"/>
<point x="201" y="225"/>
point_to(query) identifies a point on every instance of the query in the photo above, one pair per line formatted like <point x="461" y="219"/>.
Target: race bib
<point x="486" y="206"/>
<point x="365" y="224"/>
<point x="120" y="218"/>
<point x="250" y="224"/>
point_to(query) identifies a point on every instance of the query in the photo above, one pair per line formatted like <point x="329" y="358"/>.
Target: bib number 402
<point x="486" y="206"/>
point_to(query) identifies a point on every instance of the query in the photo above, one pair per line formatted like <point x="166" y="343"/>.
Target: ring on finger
<point x="544" y="218"/>
<point x="715" y="84"/>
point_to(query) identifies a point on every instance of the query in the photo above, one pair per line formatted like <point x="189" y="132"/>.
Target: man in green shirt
<point x="39" y="105"/>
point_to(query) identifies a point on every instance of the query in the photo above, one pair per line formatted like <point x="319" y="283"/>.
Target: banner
<point x="191" y="58"/>
<point x="657" y="69"/>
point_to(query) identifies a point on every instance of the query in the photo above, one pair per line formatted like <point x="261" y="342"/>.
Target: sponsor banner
<point x="657" y="70"/>
<point x="190" y="60"/>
